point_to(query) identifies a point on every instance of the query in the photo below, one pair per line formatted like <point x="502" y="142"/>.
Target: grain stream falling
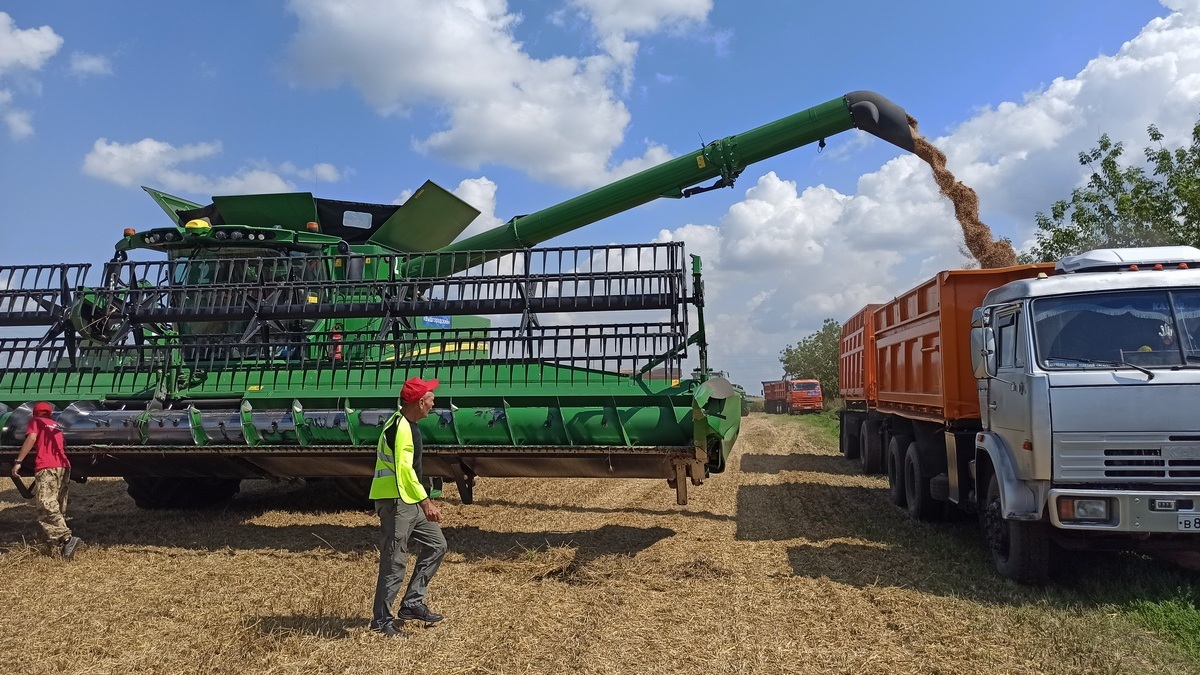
<point x="989" y="252"/>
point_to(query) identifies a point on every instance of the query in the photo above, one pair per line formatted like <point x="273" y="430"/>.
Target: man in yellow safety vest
<point x="406" y="513"/>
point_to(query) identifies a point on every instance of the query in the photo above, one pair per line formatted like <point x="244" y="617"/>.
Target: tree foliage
<point x="1126" y="205"/>
<point x="815" y="358"/>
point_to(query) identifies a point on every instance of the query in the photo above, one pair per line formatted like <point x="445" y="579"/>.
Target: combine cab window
<point x="1141" y="328"/>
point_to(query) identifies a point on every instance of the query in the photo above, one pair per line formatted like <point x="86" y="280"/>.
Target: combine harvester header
<point x="272" y="340"/>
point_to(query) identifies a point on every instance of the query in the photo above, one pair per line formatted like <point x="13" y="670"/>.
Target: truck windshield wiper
<point x="1149" y="373"/>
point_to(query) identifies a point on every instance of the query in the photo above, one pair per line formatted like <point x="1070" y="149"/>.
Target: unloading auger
<point x="273" y="339"/>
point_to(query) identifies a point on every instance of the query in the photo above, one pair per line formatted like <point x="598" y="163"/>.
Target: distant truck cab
<point x="793" y="396"/>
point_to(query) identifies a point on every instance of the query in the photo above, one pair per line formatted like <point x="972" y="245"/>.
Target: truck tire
<point x="896" y="448"/>
<point x="848" y="436"/>
<point x="870" y="453"/>
<point x="1020" y="549"/>
<point x="921" y="504"/>
<point x="181" y="493"/>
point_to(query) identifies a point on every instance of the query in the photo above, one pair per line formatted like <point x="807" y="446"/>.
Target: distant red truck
<point x="792" y="396"/>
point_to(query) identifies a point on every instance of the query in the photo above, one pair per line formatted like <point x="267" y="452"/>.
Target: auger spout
<point x="724" y="160"/>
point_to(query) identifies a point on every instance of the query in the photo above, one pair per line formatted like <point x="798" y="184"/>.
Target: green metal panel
<point x="171" y="204"/>
<point x="291" y="211"/>
<point x="429" y="220"/>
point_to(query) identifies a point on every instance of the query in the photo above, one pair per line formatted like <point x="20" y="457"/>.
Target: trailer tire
<point x="1020" y="549"/>
<point x="870" y="453"/>
<point x="896" y="448"/>
<point x="848" y="436"/>
<point x="920" y="502"/>
<point x="181" y="493"/>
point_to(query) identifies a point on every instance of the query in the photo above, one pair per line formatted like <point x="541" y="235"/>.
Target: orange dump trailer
<point x="910" y="358"/>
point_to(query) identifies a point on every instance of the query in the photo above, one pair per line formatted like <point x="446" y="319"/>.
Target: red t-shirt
<point x="49" y="444"/>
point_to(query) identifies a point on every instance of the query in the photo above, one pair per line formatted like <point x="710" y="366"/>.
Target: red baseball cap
<point x="414" y="388"/>
<point x="42" y="409"/>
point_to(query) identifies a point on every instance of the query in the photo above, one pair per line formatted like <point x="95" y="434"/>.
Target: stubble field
<point x="787" y="563"/>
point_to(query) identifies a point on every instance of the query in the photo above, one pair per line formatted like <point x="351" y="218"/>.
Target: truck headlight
<point x="1072" y="508"/>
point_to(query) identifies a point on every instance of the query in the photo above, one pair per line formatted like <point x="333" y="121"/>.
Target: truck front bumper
<point x="1128" y="511"/>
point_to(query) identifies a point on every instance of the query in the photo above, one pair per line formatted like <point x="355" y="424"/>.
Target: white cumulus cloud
<point x="158" y="164"/>
<point x="782" y="260"/>
<point x="90" y="64"/>
<point x="558" y="118"/>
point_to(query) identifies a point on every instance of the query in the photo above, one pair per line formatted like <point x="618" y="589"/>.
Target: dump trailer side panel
<point x="856" y="362"/>
<point x="922" y="344"/>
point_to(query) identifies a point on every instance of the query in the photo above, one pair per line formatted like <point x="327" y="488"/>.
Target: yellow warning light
<point x="129" y="232"/>
<point x="312" y="227"/>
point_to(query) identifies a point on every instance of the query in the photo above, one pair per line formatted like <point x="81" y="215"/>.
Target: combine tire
<point x="870" y="452"/>
<point x="921" y="504"/>
<point x="896" y="448"/>
<point x="1020" y="549"/>
<point x="181" y="493"/>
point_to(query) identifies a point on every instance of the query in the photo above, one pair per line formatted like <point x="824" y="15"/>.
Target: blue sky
<point x="518" y="105"/>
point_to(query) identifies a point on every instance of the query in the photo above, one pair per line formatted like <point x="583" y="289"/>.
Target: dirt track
<point x="788" y="562"/>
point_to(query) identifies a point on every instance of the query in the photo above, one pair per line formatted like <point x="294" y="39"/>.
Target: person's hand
<point x="432" y="513"/>
<point x="15" y="470"/>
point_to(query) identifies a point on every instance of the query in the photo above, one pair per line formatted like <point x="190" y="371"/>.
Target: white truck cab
<point x="1089" y="392"/>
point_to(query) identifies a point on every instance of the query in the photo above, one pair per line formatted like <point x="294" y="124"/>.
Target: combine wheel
<point x="181" y="493"/>
<point x="921" y="504"/>
<point x="1020" y="549"/>
<point x="896" y="448"/>
<point x="870" y="449"/>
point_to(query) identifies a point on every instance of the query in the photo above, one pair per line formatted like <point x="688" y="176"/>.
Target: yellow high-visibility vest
<point x="395" y="476"/>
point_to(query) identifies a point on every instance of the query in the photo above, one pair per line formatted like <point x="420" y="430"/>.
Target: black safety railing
<point x="37" y="295"/>
<point x="204" y="325"/>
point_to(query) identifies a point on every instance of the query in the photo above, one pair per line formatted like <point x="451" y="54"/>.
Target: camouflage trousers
<point x="50" y="498"/>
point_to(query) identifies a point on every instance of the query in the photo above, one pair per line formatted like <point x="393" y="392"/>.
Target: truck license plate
<point x="1189" y="523"/>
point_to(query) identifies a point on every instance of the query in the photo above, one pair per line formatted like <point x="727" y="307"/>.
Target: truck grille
<point x="1163" y="459"/>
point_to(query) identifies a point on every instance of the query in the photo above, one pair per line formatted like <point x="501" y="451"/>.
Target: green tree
<point x="1126" y="206"/>
<point x="815" y="358"/>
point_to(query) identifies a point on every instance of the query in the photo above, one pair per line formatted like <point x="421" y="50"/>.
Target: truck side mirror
<point x="983" y="352"/>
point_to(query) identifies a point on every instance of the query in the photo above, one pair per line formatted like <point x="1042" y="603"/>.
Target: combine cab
<point x="272" y="335"/>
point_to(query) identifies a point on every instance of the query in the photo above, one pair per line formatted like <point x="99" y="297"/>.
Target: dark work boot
<point x="418" y="613"/>
<point x="388" y="630"/>
<point x="69" y="546"/>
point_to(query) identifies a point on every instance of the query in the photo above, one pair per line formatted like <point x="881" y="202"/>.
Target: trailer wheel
<point x="181" y="493"/>
<point x="870" y="448"/>
<point x="848" y="436"/>
<point x="896" y="448"/>
<point x="1020" y="549"/>
<point x="921" y="504"/>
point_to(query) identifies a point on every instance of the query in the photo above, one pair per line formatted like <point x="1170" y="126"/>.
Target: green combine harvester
<point x="272" y="340"/>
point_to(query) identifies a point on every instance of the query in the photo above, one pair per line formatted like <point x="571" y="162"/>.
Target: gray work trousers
<point x="403" y="523"/>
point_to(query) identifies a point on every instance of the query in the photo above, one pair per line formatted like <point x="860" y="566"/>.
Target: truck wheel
<point x="1020" y="549"/>
<point x="870" y="453"/>
<point x="921" y="504"/>
<point x="181" y="493"/>
<point x="848" y="436"/>
<point x="896" y="447"/>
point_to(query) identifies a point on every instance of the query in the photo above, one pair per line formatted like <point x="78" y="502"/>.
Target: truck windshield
<point x="805" y="386"/>
<point x="1142" y="328"/>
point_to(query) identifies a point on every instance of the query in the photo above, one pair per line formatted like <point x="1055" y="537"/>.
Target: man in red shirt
<point x="52" y="471"/>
